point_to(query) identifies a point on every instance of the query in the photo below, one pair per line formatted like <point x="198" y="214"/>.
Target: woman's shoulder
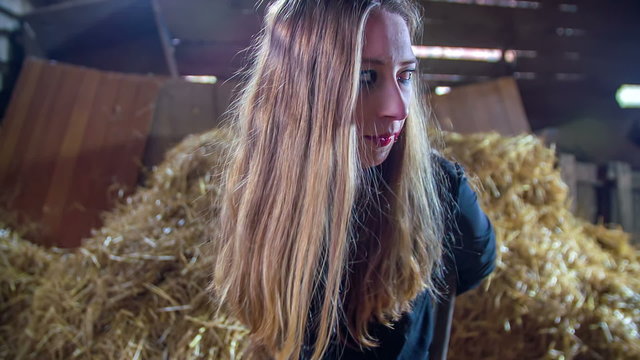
<point x="450" y="177"/>
<point x="449" y="167"/>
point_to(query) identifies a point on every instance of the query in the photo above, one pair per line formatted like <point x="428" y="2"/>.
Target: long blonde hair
<point x="308" y="239"/>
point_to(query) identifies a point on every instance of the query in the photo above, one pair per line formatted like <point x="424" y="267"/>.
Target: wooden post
<point x="635" y="187"/>
<point x="567" y="164"/>
<point x="621" y="195"/>
<point x="588" y="187"/>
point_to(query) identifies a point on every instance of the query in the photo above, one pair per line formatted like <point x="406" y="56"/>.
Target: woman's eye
<point x="406" y="76"/>
<point x="368" y="77"/>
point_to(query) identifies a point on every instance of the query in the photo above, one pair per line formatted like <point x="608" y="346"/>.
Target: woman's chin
<point x="375" y="157"/>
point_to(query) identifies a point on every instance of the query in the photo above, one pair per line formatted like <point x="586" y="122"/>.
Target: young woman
<point x="337" y="216"/>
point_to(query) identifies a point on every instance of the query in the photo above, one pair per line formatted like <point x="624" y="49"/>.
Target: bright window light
<point x="457" y="53"/>
<point x="201" y="79"/>
<point x="442" y="90"/>
<point x="511" y="55"/>
<point x="628" y="96"/>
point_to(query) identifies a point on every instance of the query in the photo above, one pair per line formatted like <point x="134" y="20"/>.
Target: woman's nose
<point x="393" y="102"/>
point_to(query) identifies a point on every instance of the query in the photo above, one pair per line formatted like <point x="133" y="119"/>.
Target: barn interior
<point x="110" y="117"/>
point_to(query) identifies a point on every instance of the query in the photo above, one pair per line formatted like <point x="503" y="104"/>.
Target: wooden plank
<point x="116" y="135"/>
<point x="636" y="210"/>
<point x="83" y="131"/>
<point x="505" y="37"/>
<point x="446" y="113"/>
<point x="587" y="173"/>
<point x="443" y="114"/>
<point x="621" y="197"/>
<point x="477" y="98"/>
<point x="71" y="145"/>
<point x="46" y="141"/>
<point x="133" y="104"/>
<point x="481" y="107"/>
<point x="139" y="128"/>
<point x="182" y="108"/>
<point x="17" y="116"/>
<point x="544" y="67"/>
<point x="21" y="173"/>
<point x="225" y="93"/>
<point x="498" y="17"/>
<point x="567" y="163"/>
<point x="557" y="63"/>
<point x="220" y="59"/>
<point x="170" y="103"/>
<point x="88" y="200"/>
<point x="443" y="66"/>
<point x="587" y="202"/>
<point x="498" y="117"/>
<point x="516" y="118"/>
<point x="635" y="180"/>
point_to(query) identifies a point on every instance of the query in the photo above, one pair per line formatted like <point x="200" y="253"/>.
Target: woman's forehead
<point x="386" y="38"/>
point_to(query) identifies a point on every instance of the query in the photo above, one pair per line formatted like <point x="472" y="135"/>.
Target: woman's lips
<point x="382" y="140"/>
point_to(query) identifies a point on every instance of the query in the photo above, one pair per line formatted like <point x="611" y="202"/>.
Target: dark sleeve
<point x="473" y="243"/>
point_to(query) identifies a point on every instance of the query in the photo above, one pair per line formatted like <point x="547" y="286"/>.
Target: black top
<point x="470" y="252"/>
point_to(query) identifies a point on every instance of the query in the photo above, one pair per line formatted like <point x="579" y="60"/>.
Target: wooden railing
<point x="609" y="193"/>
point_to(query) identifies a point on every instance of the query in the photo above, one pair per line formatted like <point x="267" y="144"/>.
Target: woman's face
<point x="388" y="63"/>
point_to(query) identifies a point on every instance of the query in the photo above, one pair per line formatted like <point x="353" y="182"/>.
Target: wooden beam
<point x="220" y="59"/>
<point x="113" y="35"/>
<point x="621" y="195"/>
<point x="206" y="20"/>
<point x="543" y="68"/>
<point x="501" y="38"/>
<point x="58" y="24"/>
<point x="442" y="66"/>
<point x="497" y="17"/>
<point x="165" y="40"/>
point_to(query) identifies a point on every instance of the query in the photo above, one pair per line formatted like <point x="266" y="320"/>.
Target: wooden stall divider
<point x="71" y="135"/>
<point x="488" y="106"/>
<point x="607" y="193"/>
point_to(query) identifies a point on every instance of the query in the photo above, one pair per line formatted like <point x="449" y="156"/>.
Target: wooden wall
<point x="184" y="108"/>
<point x="75" y="140"/>
<point x="71" y="139"/>
<point x="488" y="106"/>
<point x="572" y="55"/>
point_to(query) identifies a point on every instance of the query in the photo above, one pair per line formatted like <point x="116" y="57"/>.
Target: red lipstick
<point x="383" y="140"/>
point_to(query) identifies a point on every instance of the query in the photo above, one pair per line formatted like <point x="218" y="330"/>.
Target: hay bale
<point x="135" y="289"/>
<point x="23" y="267"/>
<point x="563" y="288"/>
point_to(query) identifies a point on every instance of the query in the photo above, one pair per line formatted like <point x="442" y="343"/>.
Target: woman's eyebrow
<point x="383" y="62"/>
